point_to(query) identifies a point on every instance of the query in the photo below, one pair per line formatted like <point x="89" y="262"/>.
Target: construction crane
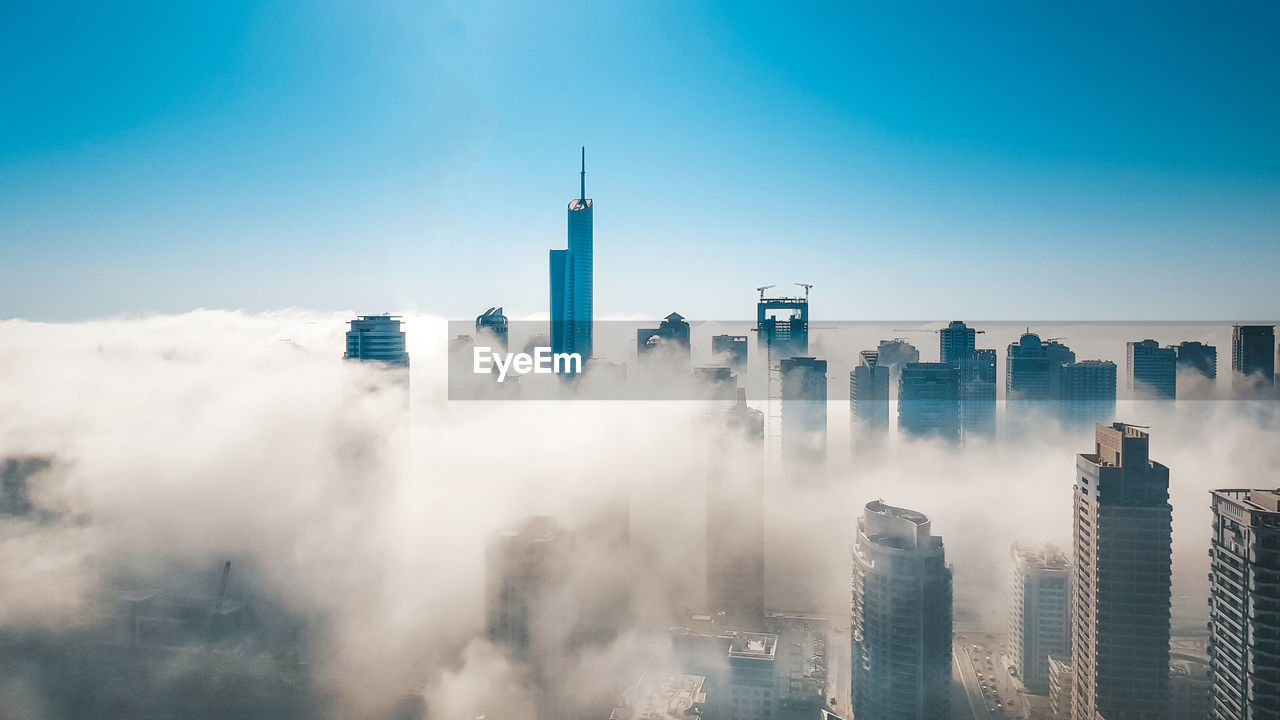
<point x="910" y="330"/>
<point x="222" y="587"/>
<point x="762" y="289"/>
<point x="807" y="287"/>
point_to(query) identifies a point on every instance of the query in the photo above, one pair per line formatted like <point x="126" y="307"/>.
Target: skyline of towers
<point x="1152" y="370"/>
<point x="1244" y="605"/>
<point x="1039" y="612"/>
<point x="572" y="269"/>
<point x="1122" y="535"/>
<point x="900" y="617"/>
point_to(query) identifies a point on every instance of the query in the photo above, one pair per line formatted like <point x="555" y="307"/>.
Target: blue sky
<point x="999" y="161"/>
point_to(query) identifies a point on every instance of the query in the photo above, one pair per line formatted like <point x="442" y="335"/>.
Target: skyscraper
<point x="895" y="353"/>
<point x="1153" y="370"/>
<point x="666" y="345"/>
<point x="957" y="346"/>
<point x="735" y="524"/>
<point x="571" y="279"/>
<point x="1087" y="390"/>
<point x="525" y="564"/>
<point x="1039" y="613"/>
<point x="1253" y="352"/>
<point x="929" y="400"/>
<point x="1198" y="357"/>
<point x="1244" y="605"/>
<point x="732" y="348"/>
<point x="804" y="408"/>
<point x="869" y="395"/>
<point x="957" y="342"/>
<point x="493" y="322"/>
<point x="900" y="624"/>
<point x="1032" y="368"/>
<point x="782" y="326"/>
<point x="978" y="394"/>
<point x="377" y="338"/>
<point x="1122" y="529"/>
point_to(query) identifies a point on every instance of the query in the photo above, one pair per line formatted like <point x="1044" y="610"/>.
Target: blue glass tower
<point x="378" y="338"/>
<point x="571" y="279"/>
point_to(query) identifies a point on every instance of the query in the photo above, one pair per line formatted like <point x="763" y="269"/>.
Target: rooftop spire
<point x="583" y="175"/>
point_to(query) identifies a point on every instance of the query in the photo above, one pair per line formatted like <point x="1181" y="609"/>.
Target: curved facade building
<point x="900" y="624"/>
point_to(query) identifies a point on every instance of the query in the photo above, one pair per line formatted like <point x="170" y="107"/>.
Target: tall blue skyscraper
<point x="804" y="408"/>
<point x="1153" y="370"/>
<point x="1199" y="357"/>
<point x="929" y="400"/>
<point x="869" y="395"/>
<point x="1087" y="390"/>
<point x="956" y="342"/>
<point x="957" y="346"/>
<point x="571" y="278"/>
<point x="378" y="338"/>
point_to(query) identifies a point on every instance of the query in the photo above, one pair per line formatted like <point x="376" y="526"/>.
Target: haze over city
<point x="467" y="362"/>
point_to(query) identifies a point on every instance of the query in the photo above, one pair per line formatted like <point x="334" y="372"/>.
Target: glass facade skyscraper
<point x="900" y="618"/>
<point x="1153" y="370"/>
<point x="572" y="291"/>
<point x="1253" y="352"/>
<point x="1244" y="604"/>
<point x="929" y="400"/>
<point x="1123" y="531"/>
<point x="377" y="338"/>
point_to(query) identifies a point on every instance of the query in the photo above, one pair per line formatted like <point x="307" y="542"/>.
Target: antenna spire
<point x="583" y="175"/>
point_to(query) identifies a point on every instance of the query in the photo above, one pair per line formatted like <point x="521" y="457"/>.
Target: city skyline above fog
<point x="1072" y="164"/>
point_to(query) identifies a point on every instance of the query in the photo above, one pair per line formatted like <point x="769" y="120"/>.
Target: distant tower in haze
<point x="957" y="346"/>
<point x="929" y="400"/>
<point x="896" y="353"/>
<point x="1199" y="357"/>
<point x="1153" y="370"/>
<point x="525" y="564"/>
<point x="900" y="624"/>
<point x="869" y="396"/>
<point x="957" y="342"/>
<point x="1087" y="390"/>
<point x="377" y="338"/>
<point x="733" y="349"/>
<point x="571" y="279"/>
<point x="1244" y="604"/>
<point x="804" y="408"/>
<point x="492" y="321"/>
<point x="667" y="344"/>
<point x="1122" y="529"/>
<point x="1253" y="352"/>
<point x="1040" y="613"/>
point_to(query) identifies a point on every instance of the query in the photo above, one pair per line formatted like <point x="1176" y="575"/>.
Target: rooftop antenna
<point x="807" y="287"/>
<point x="762" y="289"/>
<point x="583" y="175"/>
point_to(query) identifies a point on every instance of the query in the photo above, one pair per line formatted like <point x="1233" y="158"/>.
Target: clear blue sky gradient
<point x="1093" y="161"/>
